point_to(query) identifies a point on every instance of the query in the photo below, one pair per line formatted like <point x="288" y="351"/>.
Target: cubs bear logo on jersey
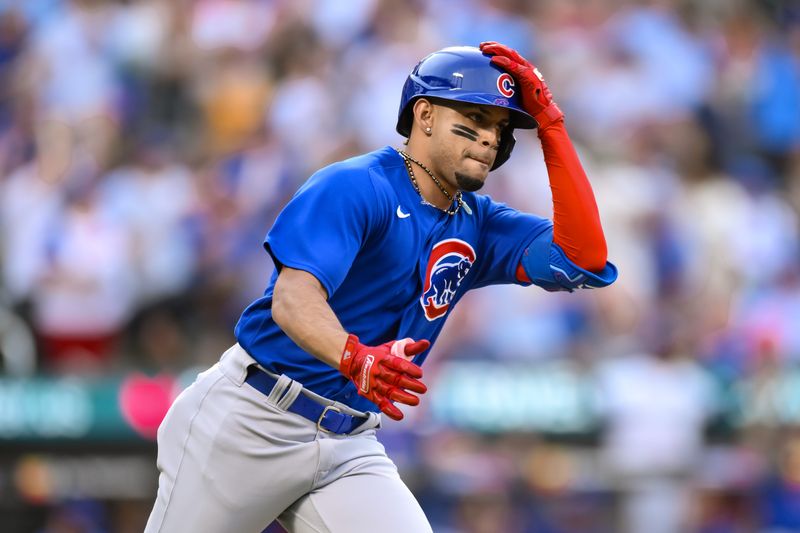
<point x="448" y="264"/>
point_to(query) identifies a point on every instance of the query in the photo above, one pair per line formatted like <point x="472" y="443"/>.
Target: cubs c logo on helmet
<point x="505" y="84"/>
<point x="449" y="262"/>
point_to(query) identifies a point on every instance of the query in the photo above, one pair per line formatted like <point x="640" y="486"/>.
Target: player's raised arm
<point x="380" y="373"/>
<point x="576" y="221"/>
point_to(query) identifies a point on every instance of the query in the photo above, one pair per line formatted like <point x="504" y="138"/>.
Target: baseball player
<point x="372" y="254"/>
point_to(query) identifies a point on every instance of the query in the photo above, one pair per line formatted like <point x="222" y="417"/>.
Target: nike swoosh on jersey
<point x="400" y="213"/>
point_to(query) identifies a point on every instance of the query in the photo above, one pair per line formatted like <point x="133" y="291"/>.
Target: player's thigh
<point x="228" y="462"/>
<point x="361" y="503"/>
<point x="177" y="448"/>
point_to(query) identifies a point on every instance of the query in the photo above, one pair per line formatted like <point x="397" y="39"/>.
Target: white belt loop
<point x="291" y="393"/>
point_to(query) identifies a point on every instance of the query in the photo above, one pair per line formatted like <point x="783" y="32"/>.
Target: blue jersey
<point x="392" y="266"/>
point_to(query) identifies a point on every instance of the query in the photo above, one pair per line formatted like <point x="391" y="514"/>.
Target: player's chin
<point x="470" y="181"/>
<point x="472" y="174"/>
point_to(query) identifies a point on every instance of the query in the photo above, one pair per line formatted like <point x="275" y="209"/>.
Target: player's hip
<point x="264" y="389"/>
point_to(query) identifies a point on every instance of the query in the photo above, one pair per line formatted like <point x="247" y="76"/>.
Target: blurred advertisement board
<point x="551" y="398"/>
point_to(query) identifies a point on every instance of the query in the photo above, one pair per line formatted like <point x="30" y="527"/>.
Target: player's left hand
<point x="536" y="96"/>
<point x="383" y="374"/>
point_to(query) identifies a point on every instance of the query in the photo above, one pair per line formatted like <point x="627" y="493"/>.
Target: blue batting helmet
<point x="465" y="74"/>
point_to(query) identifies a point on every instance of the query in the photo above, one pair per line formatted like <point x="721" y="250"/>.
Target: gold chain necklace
<point x="452" y="210"/>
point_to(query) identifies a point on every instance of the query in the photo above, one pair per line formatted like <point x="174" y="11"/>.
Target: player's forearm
<point x="576" y="220"/>
<point x="300" y="308"/>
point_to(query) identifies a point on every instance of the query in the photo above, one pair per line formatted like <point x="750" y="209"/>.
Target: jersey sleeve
<point x="510" y="238"/>
<point x="324" y="225"/>
<point x="548" y="266"/>
<point x="505" y="235"/>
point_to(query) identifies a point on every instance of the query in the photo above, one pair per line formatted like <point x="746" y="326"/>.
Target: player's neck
<point x="428" y="188"/>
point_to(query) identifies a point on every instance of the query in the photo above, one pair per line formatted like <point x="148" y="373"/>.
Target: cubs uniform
<point x="393" y="266"/>
<point x="273" y="432"/>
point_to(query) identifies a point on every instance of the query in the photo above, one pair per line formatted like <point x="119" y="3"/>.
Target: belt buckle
<point x="322" y="417"/>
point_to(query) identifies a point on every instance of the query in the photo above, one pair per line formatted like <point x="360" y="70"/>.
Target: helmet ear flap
<point x="405" y="120"/>
<point x="507" y="142"/>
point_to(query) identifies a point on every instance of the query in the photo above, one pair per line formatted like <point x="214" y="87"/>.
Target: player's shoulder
<point x="483" y="205"/>
<point x="359" y="170"/>
<point x="357" y="181"/>
<point x="360" y="166"/>
<point x="370" y="173"/>
<point x="485" y="210"/>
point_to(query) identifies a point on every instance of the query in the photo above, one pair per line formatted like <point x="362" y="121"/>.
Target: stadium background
<point x="147" y="145"/>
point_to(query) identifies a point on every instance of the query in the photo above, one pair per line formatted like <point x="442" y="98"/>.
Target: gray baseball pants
<point x="233" y="460"/>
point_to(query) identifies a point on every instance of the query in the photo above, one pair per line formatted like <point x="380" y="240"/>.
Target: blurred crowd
<point x="147" y="145"/>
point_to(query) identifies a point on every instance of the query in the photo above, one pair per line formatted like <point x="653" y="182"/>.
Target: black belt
<point x="327" y="417"/>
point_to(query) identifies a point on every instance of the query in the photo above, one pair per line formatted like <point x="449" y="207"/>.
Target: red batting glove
<point x="382" y="375"/>
<point x="536" y="96"/>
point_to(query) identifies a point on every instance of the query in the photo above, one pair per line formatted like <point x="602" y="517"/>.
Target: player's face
<point x="468" y="137"/>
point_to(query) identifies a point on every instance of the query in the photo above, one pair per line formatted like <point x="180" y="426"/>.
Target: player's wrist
<point x="348" y="354"/>
<point x="548" y="116"/>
